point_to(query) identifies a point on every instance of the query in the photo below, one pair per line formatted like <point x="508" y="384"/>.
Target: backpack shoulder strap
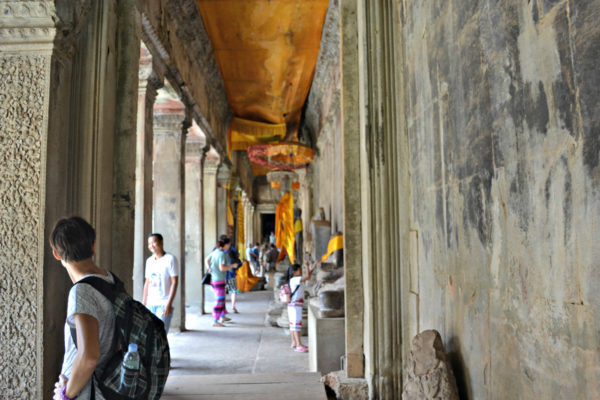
<point x="295" y="290"/>
<point x="106" y="289"/>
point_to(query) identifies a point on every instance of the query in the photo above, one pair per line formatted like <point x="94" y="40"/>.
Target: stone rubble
<point x="346" y="388"/>
<point x="429" y="375"/>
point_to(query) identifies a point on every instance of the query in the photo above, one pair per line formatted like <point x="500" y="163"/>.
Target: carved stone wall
<point x="23" y="120"/>
<point x="26" y="35"/>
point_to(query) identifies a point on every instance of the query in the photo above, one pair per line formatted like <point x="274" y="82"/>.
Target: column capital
<point x="224" y="175"/>
<point x="211" y="160"/>
<point x="27" y="26"/>
<point x="195" y="147"/>
<point x="168" y="124"/>
<point x="170" y="118"/>
<point x="210" y="167"/>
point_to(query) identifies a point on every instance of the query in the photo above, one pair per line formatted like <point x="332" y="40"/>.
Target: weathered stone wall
<point x="323" y="125"/>
<point x="502" y="107"/>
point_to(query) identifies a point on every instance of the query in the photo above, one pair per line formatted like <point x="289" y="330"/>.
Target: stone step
<point x="245" y="386"/>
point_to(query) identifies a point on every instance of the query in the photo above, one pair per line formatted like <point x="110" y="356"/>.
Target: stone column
<point x="169" y="198"/>
<point x="248" y="219"/>
<point x="149" y="83"/>
<point x="354" y="302"/>
<point x="223" y="181"/>
<point x="375" y="133"/>
<point x="193" y="220"/>
<point x="26" y="43"/>
<point x="128" y="20"/>
<point x="209" y="199"/>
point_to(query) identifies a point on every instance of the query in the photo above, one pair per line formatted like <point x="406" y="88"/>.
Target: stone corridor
<point x="245" y="360"/>
<point x="440" y="158"/>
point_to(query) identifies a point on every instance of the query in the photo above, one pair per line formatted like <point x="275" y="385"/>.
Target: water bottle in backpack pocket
<point x="130" y="368"/>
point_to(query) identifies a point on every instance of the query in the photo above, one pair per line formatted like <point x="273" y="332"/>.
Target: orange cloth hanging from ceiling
<point x="267" y="52"/>
<point x="284" y="225"/>
<point x="243" y="133"/>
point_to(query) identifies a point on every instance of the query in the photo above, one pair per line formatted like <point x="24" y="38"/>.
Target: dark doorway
<point x="268" y="226"/>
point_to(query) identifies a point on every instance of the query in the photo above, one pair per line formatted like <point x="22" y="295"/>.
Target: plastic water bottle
<point x="130" y="367"/>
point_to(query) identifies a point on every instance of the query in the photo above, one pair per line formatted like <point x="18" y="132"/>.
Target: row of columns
<point x="178" y="189"/>
<point x="68" y="127"/>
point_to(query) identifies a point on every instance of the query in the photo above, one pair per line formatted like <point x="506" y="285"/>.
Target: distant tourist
<point x="271" y="257"/>
<point x="216" y="264"/>
<point x="161" y="280"/>
<point x="272" y="238"/>
<point x="232" y="257"/>
<point x="254" y="260"/>
<point x="296" y="303"/>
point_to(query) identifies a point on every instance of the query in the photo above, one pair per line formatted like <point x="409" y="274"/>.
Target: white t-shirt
<point x="159" y="271"/>
<point x="298" y="297"/>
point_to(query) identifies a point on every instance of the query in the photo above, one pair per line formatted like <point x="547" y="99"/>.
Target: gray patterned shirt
<point x="83" y="299"/>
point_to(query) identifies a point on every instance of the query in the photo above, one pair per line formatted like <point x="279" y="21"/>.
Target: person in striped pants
<point x="217" y="265"/>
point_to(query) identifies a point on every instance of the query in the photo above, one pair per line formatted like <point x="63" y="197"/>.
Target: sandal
<point x="301" y="349"/>
<point x="225" y="319"/>
<point x="218" y="325"/>
<point x="235" y="310"/>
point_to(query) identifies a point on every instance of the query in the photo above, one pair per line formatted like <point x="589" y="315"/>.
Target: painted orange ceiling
<point x="267" y="51"/>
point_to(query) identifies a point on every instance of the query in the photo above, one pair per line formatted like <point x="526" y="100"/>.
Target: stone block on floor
<point x="346" y="388"/>
<point x="326" y="341"/>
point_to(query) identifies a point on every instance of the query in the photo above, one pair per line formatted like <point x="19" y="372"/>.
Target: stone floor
<point x="244" y="360"/>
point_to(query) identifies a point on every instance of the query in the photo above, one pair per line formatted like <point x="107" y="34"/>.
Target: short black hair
<point x="157" y="236"/>
<point x="223" y="241"/>
<point x="293" y="268"/>
<point x="73" y="239"/>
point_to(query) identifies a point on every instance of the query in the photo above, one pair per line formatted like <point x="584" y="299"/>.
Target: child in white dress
<point x="296" y="303"/>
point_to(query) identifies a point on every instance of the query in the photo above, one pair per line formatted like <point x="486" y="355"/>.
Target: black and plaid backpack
<point x="134" y="323"/>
